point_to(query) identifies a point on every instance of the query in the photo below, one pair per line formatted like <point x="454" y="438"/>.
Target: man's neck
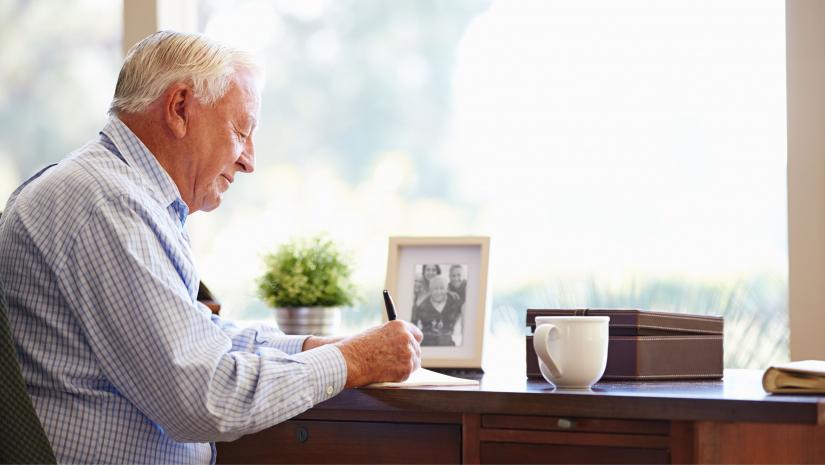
<point x="162" y="146"/>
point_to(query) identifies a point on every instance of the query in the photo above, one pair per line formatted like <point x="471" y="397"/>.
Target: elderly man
<point x="121" y="361"/>
<point x="439" y="316"/>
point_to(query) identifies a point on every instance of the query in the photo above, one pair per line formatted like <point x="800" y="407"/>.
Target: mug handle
<point x="541" y="343"/>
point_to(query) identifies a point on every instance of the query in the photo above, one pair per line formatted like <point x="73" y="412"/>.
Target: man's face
<point x="222" y="141"/>
<point x="438" y="290"/>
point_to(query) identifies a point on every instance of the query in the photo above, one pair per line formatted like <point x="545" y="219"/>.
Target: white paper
<point x="424" y="377"/>
<point x="813" y="367"/>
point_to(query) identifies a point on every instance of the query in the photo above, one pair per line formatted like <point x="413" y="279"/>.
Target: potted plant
<point x="307" y="282"/>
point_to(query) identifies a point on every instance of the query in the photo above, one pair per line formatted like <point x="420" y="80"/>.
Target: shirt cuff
<point x="328" y="368"/>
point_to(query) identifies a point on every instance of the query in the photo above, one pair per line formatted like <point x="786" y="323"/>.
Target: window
<point x="58" y="70"/>
<point x="619" y="154"/>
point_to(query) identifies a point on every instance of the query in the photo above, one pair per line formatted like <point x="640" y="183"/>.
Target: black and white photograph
<point x="439" y="296"/>
<point x="439" y="284"/>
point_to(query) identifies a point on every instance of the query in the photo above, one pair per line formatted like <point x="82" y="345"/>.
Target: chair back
<point x="22" y="439"/>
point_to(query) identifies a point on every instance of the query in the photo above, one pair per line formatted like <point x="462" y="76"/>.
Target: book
<point x="803" y="377"/>
<point x="423" y="377"/>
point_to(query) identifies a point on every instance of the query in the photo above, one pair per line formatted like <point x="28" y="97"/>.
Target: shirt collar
<point x="132" y="150"/>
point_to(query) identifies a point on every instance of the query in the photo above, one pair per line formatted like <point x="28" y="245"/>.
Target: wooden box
<point x="650" y="345"/>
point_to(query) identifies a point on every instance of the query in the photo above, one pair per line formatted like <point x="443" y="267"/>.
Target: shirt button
<point x="330" y="390"/>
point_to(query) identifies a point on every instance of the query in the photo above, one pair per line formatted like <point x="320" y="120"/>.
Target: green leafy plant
<point x="307" y="273"/>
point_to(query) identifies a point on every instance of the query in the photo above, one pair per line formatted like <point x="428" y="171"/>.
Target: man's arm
<point x="250" y="338"/>
<point x="165" y="355"/>
<point x="312" y="342"/>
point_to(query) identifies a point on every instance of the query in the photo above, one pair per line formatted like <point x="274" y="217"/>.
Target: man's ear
<point x="177" y="109"/>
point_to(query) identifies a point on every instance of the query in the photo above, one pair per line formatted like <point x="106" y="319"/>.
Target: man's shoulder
<point x="55" y="204"/>
<point x="85" y="178"/>
<point x="97" y="169"/>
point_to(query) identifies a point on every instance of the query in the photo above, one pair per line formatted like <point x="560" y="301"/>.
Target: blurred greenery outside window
<point x="619" y="154"/>
<point x="59" y="62"/>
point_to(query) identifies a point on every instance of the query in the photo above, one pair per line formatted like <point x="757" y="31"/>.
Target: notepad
<point x="423" y="377"/>
<point x="804" y="377"/>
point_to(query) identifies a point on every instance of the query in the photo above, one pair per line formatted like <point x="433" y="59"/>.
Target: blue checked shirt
<point x="122" y="363"/>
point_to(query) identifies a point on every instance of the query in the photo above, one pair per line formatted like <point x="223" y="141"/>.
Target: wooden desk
<point x="509" y="419"/>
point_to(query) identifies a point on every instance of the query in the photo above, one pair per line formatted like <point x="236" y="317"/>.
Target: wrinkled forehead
<point x="245" y="90"/>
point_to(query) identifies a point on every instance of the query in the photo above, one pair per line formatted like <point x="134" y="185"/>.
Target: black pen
<point x="390" y="306"/>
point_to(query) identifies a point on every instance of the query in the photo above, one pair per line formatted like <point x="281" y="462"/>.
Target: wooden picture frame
<point x="452" y="338"/>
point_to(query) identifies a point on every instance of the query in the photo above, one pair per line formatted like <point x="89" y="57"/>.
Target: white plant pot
<point x="317" y="321"/>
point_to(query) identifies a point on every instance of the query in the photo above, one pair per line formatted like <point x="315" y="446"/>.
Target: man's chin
<point x="211" y="204"/>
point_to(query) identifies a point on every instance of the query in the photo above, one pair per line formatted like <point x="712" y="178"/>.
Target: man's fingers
<point x="417" y="334"/>
<point x="409" y="327"/>
<point x="416" y="358"/>
<point x="416" y="347"/>
<point x="389" y="352"/>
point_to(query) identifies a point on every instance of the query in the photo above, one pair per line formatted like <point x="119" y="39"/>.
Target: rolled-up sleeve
<point x="198" y="379"/>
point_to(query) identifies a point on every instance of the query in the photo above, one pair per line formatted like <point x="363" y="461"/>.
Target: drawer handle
<point x="564" y="423"/>
<point x="301" y="434"/>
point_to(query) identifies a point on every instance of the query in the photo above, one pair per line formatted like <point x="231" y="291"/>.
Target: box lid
<point x="633" y="322"/>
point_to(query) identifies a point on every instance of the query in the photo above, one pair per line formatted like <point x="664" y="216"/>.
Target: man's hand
<point x="389" y="352"/>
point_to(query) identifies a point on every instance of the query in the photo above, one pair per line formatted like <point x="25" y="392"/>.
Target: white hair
<point x="168" y="57"/>
<point x="440" y="278"/>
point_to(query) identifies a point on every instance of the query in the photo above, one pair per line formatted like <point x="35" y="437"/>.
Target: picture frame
<point x="440" y="284"/>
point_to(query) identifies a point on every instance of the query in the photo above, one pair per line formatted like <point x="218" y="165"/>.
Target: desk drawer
<point x="503" y="452"/>
<point x="573" y="424"/>
<point x="536" y="439"/>
<point x="311" y="441"/>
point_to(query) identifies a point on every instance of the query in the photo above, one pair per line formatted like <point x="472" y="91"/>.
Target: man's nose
<point x="247" y="158"/>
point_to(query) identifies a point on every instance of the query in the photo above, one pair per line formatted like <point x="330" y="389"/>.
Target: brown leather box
<point x="650" y="345"/>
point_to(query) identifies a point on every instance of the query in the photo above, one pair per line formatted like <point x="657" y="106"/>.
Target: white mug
<point x="572" y="350"/>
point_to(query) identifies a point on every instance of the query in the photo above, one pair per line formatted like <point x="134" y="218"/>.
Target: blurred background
<point x="619" y="154"/>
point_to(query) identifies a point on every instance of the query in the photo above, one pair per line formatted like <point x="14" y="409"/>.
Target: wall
<point x="806" y="176"/>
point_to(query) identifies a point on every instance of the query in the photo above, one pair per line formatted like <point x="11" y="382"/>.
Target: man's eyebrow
<point x="241" y="125"/>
